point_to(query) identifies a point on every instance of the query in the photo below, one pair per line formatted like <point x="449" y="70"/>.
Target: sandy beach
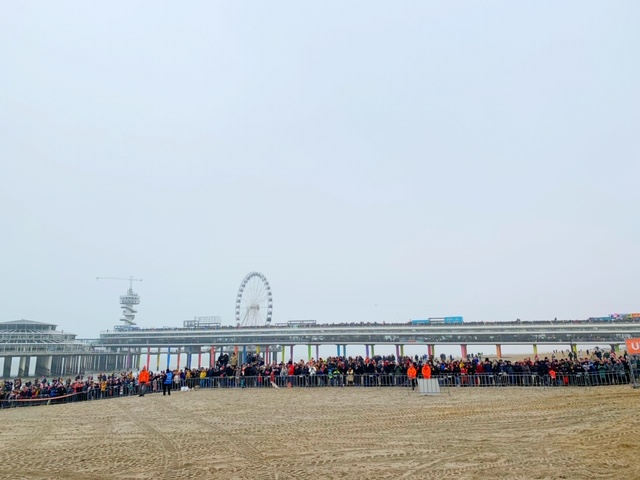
<point x="331" y="433"/>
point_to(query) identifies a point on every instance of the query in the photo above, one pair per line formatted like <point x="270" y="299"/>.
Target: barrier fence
<point x="549" y="380"/>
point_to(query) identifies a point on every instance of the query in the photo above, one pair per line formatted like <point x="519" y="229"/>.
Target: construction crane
<point x="127" y="301"/>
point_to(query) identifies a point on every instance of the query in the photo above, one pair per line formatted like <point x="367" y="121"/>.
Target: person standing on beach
<point x="167" y="381"/>
<point x="412" y="373"/>
<point x="143" y="380"/>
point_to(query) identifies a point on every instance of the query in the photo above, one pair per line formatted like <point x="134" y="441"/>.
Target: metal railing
<point x="555" y="379"/>
<point x="96" y="391"/>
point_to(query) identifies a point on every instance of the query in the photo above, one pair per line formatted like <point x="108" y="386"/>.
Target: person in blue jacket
<point x="167" y="382"/>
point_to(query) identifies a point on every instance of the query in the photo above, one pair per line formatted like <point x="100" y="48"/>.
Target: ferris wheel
<point x="254" y="303"/>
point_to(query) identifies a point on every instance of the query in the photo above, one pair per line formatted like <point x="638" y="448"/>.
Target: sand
<point x="331" y="433"/>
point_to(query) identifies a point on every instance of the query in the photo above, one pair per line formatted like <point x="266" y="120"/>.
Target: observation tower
<point x="128" y="301"/>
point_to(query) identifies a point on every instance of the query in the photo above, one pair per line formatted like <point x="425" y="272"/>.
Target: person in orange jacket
<point x="426" y="371"/>
<point x="143" y="379"/>
<point x="412" y="373"/>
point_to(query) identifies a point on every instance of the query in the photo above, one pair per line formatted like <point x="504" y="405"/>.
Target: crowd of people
<point x="595" y="368"/>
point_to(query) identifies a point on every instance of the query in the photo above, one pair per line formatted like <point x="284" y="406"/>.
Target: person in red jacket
<point x="426" y="371"/>
<point x="143" y="380"/>
<point x="412" y="373"/>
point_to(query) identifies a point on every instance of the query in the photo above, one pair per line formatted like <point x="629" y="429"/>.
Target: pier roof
<point x="30" y="324"/>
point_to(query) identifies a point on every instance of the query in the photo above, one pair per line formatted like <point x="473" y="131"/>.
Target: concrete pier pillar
<point x="338" y="350"/>
<point x="6" y="369"/>
<point x="366" y="350"/>
<point x="55" y="366"/>
<point x="168" y="357"/>
<point x="244" y="354"/>
<point x="158" y="360"/>
<point x="344" y="351"/>
<point x="535" y="350"/>
<point x="23" y="367"/>
<point x="397" y="352"/>
<point x="402" y="350"/>
<point x="431" y="350"/>
<point x="309" y="352"/>
<point x="463" y="351"/>
<point x="212" y="356"/>
<point x="291" y="353"/>
<point x="373" y="350"/>
<point x="499" y="351"/>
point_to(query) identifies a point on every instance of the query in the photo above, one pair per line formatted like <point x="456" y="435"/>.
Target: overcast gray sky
<point x="377" y="161"/>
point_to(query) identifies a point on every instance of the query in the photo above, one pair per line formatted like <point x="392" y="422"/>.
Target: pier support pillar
<point x="212" y="356"/>
<point x="43" y="366"/>
<point x="6" y="368"/>
<point x="23" y="368"/>
<point x="338" y="349"/>
<point x="373" y="350"/>
<point x="431" y="350"/>
<point x="344" y="351"/>
<point x="168" y="357"/>
<point x="574" y="348"/>
<point x="291" y="353"/>
<point x="499" y="351"/>
<point x="317" y="352"/>
<point x="309" y="352"/>
<point x="402" y="350"/>
<point x="397" y="352"/>
<point x="366" y="349"/>
<point x="463" y="351"/>
<point x="535" y="349"/>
